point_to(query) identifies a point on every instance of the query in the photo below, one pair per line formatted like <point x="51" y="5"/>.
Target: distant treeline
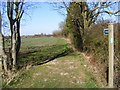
<point x="36" y="35"/>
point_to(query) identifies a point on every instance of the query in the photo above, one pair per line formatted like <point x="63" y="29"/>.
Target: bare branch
<point x="113" y="13"/>
<point x="101" y="6"/>
<point x="8" y="9"/>
<point x="66" y="6"/>
<point x="21" y="14"/>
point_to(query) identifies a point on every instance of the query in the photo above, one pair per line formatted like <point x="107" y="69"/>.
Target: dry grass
<point x="65" y="72"/>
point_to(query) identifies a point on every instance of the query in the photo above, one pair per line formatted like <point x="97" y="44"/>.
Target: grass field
<point x="40" y="50"/>
<point x="55" y="65"/>
<point x="42" y="41"/>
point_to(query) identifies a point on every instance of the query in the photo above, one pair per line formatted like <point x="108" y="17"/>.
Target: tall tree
<point x="14" y="13"/>
<point x="86" y="13"/>
<point x="72" y="22"/>
<point x="3" y="56"/>
<point x="19" y="13"/>
<point x="89" y="12"/>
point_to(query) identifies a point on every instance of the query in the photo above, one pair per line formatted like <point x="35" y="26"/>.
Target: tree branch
<point x="101" y="6"/>
<point x="66" y="6"/>
<point x="113" y="13"/>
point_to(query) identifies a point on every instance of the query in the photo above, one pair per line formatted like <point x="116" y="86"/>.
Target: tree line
<point x="84" y="27"/>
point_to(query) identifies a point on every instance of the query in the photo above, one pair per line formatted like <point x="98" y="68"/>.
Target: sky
<point x="43" y="19"/>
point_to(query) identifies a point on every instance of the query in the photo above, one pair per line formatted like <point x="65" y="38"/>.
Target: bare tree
<point x="19" y="14"/>
<point x="90" y="11"/>
<point x="84" y="14"/>
<point x="14" y="13"/>
<point x="3" y="56"/>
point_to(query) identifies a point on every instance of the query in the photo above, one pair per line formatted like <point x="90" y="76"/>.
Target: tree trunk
<point x="1" y="48"/>
<point x="13" y="44"/>
<point x="0" y="72"/>
<point x="18" y="38"/>
<point x="14" y="47"/>
<point x="3" y="56"/>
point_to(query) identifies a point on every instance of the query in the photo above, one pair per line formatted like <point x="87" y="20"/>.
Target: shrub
<point x="97" y="44"/>
<point x="76" y="40"/>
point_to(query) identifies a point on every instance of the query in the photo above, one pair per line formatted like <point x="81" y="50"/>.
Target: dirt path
<point x="66" y="72"/>
<point x="94" y="67"/>
<point x="71" y="71"/>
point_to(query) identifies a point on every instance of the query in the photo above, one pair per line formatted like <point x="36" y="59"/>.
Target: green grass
<point x="42" y="41"/>
<point x="67" y="69"/>
<point x="41" y="55"/>
<point x="63" y="72"/>
<point x="39" y="50"/>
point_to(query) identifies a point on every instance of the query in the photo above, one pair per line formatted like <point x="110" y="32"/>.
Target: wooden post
<point x="118" y="69"/>
<point x="0" y="49"/>
<point x="0" y="72"/>
<point x="111" y="55"/>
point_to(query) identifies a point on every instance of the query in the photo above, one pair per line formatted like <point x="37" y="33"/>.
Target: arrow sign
<point x="106" y="32"/>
